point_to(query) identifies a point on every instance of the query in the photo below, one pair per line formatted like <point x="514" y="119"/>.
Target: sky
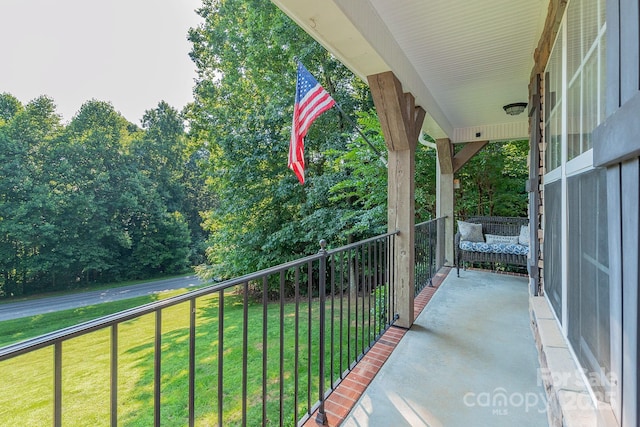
<point x="132" y="53"/>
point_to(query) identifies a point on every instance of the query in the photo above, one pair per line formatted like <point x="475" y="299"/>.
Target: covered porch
<point x="469" y="359"/>
<point x="442" y="75"/>
<point x="453" y="70"/>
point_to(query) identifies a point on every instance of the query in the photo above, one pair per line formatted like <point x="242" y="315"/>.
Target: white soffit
<point x="325" y="22"/>
<point x="462" y="59"/>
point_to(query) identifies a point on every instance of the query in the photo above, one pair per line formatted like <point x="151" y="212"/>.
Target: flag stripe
<point x="314" y="107"/>
<point x="312" y="98"/>
<point x="312" y="115"/>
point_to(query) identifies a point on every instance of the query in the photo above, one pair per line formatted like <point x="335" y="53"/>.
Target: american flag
<point x="311" y="101"/>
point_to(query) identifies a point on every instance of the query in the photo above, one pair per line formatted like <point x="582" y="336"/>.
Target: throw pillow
<point x="523" y="239"/>
<point x="494" y="238"/>
<point x="471" y="232"/>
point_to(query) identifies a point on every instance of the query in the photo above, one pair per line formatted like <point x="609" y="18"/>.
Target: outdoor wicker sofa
<point x="502" y="240"/>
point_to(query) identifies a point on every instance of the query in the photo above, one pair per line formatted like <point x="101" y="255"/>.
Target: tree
<point x="161" y="246"/>
<point x="493" y="181"/>
<point x="96" y="200"/>
<point x="242" y="118"/>
<point x="174" y="168"/>
<point x="364" y="188"/>
<point x="161" y="153"/>
<point x="9" y="107"/>
<point x="26" y="210"/>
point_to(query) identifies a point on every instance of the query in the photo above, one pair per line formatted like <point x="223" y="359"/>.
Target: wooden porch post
<point x="444" y="194"/>
<point x="448" y="164"/>
<point x="401" y="121"/>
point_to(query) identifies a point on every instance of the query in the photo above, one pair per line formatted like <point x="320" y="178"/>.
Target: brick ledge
<point x="569" y="403"/>
<point x="344" y="397"/>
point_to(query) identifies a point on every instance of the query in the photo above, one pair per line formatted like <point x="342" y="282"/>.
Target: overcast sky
<point x="133" y="53"/>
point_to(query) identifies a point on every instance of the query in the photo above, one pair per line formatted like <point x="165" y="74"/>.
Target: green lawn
<point x="27" y="380"/>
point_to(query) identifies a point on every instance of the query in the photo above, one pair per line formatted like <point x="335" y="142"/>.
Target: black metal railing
<point x="265" y="348"/>
<point x="429" y="252"/>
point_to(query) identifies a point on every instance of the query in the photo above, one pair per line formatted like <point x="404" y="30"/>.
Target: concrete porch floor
<point x="469" y="360"/>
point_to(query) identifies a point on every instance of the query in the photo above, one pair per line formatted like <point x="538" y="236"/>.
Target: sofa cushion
<point x="494" y="238"/>
<point x="470" y="231"/>
<point x="523" y="239"/>
<point x="498" y="248"/>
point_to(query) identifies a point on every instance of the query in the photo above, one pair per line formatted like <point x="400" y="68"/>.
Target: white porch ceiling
<point x="462" y="59"/>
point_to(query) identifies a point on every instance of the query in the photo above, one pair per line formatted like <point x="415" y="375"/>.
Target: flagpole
<point x="375" y="150"/>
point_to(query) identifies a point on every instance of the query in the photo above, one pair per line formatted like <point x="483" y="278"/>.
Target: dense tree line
<point x="97" y="199"/>
<point x="493" y="182"/>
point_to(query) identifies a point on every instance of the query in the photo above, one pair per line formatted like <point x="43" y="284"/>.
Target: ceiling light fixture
<point x="515" y="108"/>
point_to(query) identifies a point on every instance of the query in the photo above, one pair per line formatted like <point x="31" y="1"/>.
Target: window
<point x="553" y="246"/>
<point x="576" y="271"/>
<point x="553" y="107"/>
<point x="575" y="73"/>
<point x="588" y="275"/>
<point x="585" y="52"/>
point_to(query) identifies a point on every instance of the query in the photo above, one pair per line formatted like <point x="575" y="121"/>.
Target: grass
<point x="27" y="380"/>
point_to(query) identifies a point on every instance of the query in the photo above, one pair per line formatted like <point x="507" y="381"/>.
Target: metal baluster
<point x="363" y="285"/>
<point x="157" y="371"/>
<point x="369" y="292"/>
<point x="281" y="348"/>
<point x="245" y="349"/>
<point x="333" y="298"/>
<point x="341" y="313"/>
<point x="309" y="330"/>
<point x="220" y="356"/>
<point x="296" y="350"/>
<point x="114" y="375"/>
<point x="322" y="417"/>
<point x="264" y="349"/>
<point x="192" y="362"/>
<point x="57" y="384"/>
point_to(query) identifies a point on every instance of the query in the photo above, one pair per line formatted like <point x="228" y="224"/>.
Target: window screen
<point x="588" y="273"/>
<point x="553" y="245"/>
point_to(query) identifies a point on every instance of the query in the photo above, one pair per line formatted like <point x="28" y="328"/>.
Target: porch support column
<point x="401" y="121"/>
<point x="444" y="195"/>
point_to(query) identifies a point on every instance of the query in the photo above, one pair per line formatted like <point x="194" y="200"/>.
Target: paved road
<point x="19" y="309"/>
